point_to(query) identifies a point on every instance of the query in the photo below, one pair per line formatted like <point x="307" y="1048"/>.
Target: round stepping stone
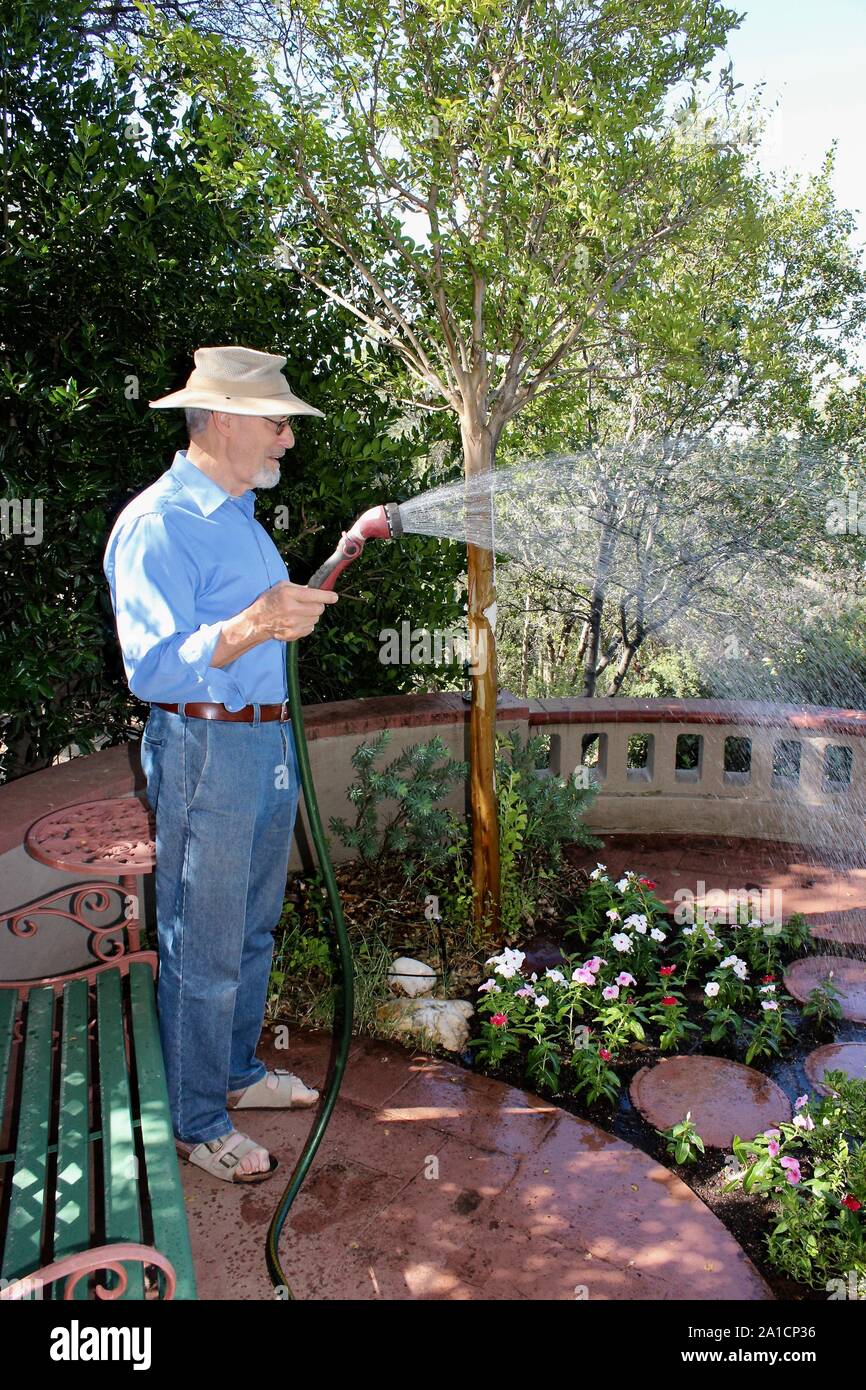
<point x="725" y="1098"/>
<point x="847" y="1057"/>
<point x="849" y="977"/>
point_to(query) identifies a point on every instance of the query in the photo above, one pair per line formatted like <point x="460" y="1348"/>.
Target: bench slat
<point x="72" y="1216"/>
<point x="171" y="1233"/>
<point x="8" y="1009"/>
<point x="23" y="1249"/>
<point x="119" y="1160"/>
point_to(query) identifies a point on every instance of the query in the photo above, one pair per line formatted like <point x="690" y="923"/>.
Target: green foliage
<point x="119" y="262"/>
<point x="418" y="829"/>
<point x="684" y="1144"/>
<point x="823" y="1005"/>
<point x="555" y="806"/>
<point x="815" y="1168"/>
<point x="592" y="1077"/>
<point x="517" y="901"/>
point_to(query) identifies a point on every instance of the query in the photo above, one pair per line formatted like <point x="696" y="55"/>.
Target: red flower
<point x="647" y="882"/>
<point x="605" y="1057"/>
<point x="851" y="1203"/>
<point x="667" y="970"/>
<point x="630" y="999"/>
<point x="668" y="1000"/>
<point x="499" y="1020"/>
<point x="767" y="979"/>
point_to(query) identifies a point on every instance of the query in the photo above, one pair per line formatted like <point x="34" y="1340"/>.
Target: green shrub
<point x="419" y="829"/>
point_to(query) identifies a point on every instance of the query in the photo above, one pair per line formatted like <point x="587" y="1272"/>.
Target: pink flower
<point x="792" y="1167"/>
<point x="526" y="993"/>
<point x="612" y="992"/>
<point x="804" y="1122"/>
<point x="773" y="1148"/>
<point x="595" y="964"/>
<point x="623" y="978"/>
<point x="583" y="976"/>
<point x="801" y="1101"/>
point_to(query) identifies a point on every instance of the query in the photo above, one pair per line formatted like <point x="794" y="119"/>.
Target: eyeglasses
<point x="279" y="425"/>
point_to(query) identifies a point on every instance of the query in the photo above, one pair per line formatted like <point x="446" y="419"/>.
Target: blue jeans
<point x="225" y="797"/>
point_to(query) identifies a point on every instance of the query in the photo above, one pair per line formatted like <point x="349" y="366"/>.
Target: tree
<point x="741" y="333"/>
<point x="117" y="263"/>
<point x="486" y="181"/>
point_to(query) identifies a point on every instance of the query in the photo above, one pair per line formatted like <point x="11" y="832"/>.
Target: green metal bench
<point x="91" y="1202"/>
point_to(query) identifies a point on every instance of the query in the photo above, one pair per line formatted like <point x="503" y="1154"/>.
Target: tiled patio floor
<point x="433" y="1183"/>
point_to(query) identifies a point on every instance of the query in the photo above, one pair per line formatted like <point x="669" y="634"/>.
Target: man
<point x="204" y="606"/>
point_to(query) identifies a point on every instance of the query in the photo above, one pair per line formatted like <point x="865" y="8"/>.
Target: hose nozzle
<point x="377" y="523"/>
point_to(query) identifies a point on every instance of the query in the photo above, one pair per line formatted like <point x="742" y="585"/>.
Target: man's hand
<point x="286" y="611"/>
<point x="289" y="611"/>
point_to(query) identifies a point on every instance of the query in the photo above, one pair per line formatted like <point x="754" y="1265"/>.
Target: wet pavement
<point x="830" y="890"/>
<point x="433" y="1183"/>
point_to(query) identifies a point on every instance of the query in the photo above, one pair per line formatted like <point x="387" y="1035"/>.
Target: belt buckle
<point x="285" y="712"/>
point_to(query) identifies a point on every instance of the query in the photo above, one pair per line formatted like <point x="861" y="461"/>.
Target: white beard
<point x="267" y="476"/>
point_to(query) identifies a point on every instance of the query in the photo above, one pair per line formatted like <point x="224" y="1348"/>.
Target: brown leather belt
<point x="237" y="716"/>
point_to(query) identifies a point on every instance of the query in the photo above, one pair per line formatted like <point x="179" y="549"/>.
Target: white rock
<point x="442" y="1021"/>
<point x="408" y="976"/>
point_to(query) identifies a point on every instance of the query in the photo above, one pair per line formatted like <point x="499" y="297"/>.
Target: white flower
<point x="555" y="975"/>
<point x="637" y="921"/>
<point x="755" y="922"/>
<point x="533" y="977"/>
<point x="804" y="1122"/>
<point x="768" y="989"/>
<point x="712" y="989"/>
<point x="598" y="871"/>
<point x="490" y="986"/>
<point x="729" y="960"/>
<point x="741" y="970"/>
<point x="508" y="964"/>
<point x="542" y="1001"/>
<point x="612" y="914"/>
<point x="622" y="885"/>
<point x="769" y="1004"/>
<point x="621" y="942"/>
<point x="658" y="935"/>
<point x="689" y="931"/>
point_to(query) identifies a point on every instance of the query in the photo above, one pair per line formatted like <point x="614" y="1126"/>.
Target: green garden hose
<point x="344" y="1009"/>
<point x="381" y="522"/>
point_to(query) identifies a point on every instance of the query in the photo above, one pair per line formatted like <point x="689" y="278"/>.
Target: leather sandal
<point x="220" y="1157"/>
<point x="279" y="1090"/>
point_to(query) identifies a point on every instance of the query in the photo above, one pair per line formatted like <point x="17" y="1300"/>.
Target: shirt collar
<point x="207" y="494"/>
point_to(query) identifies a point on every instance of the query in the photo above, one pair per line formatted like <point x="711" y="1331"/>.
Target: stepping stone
<point x="849" y="977"/>
<point x="725" y="1098"/>
<point x="847" y="1057"/>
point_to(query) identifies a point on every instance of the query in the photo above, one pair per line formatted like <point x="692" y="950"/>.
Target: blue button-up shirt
<point x="182" y="557"/>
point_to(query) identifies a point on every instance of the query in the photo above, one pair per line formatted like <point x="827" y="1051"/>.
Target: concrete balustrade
<point x="658" y="799"/>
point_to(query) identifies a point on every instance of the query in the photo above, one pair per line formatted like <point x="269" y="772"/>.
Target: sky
<point x="811" y="55"/>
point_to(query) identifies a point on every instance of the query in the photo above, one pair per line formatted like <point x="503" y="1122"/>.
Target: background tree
<point x="117" y="263"/>
<point x="486" y="181"/>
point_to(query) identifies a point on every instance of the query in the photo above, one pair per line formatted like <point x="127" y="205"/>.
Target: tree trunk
<point x="591" y="666"/>
<point x="478" y="458"/>
<point x="524" y="652"/>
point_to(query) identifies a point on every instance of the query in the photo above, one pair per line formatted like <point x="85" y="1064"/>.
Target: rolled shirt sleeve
<point x="155" y="604"/>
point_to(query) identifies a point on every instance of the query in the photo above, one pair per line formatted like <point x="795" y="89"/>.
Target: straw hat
<point x="239" y="381"/>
